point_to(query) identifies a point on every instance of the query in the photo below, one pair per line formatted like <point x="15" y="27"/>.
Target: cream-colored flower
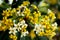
<point x="55" y="24"/>
<point x="17" y="27"/>
<point x="38" y="28"/>
<point x="20" y="25"/>
<point x="24" y="33"/>
<point x="10" y="1"/>
<point x="19" y="13"/>
<point x="13" y="30"/>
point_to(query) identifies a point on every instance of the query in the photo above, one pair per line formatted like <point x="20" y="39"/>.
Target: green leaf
<point x="43" y="9"/>
<point x="25" y="38"/>
<point x="43" y="38"/>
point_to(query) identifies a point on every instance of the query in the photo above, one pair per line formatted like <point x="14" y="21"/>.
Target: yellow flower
<point x="7" y="22"/>
<point x="25" y="3"/>
<point x="48" y="26"/>
<point x="43" y="23"/>
<point x="18" y="8"/>
<point x="35" y="20"/>
<point x="34" y="6"/>
<point x="32" y="34"/>
<point x="50" y="12"/>
<point x="31" y="17"/>
<point x="48" y="31"/>
<point x="13" y="37"/>
<point x="41" y="33"/>
<point x="4" y="28"/>
<point x="52" y="34"/>
<point x="14" y="10"/>
<point x="51" y="15"/>
<point x="5" y="13"/>
<point x="36" y="15"/>
<point x="46" y="17"/>
<point x="23" y="29"/>
<point x="27" y="10"/>
<point x="39" y="13"/>
<point x="1" y="28"/>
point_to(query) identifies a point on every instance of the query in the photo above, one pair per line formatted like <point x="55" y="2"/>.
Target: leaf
<point x="25" y="38"/>
<point x="43" y="9"/>
<point x="43" y="38"/>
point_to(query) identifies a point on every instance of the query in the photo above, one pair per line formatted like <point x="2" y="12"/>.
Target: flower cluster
<point x="29" y="21"/>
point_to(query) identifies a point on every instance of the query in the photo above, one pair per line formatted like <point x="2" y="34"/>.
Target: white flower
<point x="55" y="24"/>
<point x="18" y="13"/>
<point x="9" y="8"/>
<point x="23" y="21"/>
<point x="12" y="30"/>
<point x="20" y="25"/>
<point x="49" y="11"/>
<point x="38" y="28"/>
<point x="14" y="21"/>
<point x="22" y="14"/>
<point x="10" y="1"/>
<point x="24" y="33"/>
<point x="1" y="1"/>
<point x="17" y="27"/>
<point x="26" y="25"/>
